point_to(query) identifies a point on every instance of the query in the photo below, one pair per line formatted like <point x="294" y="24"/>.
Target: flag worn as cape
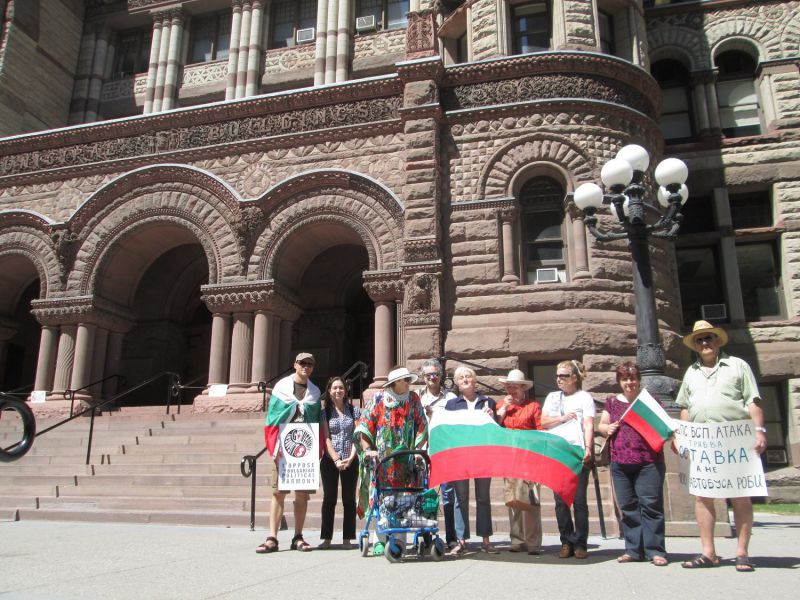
<point x="466" y="444"/>
<point x="652" y="422"/>
<point x="283" y="406"/>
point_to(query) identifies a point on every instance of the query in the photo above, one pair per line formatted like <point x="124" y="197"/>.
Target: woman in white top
<point x="571" y="402"/>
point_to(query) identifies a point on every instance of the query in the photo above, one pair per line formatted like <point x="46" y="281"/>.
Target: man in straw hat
<point x="719" y="387"/>
<point x="522" y="497"/>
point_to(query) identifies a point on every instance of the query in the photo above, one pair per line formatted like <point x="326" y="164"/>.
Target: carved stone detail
<point x="83" y="309"/>
<point x="65" y="244"/>
<point x="421" y="249"/>
<point x="384" y="286"/>
<point x="204" y="73"/>
<point x="263" y="295"/>
<point x="421" y="34"/>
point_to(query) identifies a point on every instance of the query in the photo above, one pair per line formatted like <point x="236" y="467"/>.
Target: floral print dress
<point x="391" y="423"/>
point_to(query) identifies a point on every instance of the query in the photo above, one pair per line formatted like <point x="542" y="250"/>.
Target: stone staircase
<point x="148" y="467"/>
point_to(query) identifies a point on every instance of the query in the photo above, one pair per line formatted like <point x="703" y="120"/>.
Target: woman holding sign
<point x="637" y="471"/>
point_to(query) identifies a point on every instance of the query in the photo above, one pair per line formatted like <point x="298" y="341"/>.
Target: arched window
<point x="542" y="211"/>
<point x="736" y="94"/>
<point x="676" y="113"/>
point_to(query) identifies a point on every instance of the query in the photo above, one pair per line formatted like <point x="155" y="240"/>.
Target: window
<point x="607" y="45"/>
<point x="676" y="115"/>
<point x="542" y="218"/>
<point x="773" y="405"/>
<point x="210" y="37"/>
<point x="530" y="25"/>
<point x="132" y="53"/>
<point x="759" y="274"/>
<point x="389" y="14"/>
<point x="288" y="16"/>
<point x="699" y="280"/>
<point x="736" y="94"/>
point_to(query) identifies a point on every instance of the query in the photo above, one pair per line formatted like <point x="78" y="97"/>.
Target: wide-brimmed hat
<point x="518" y="377"/>
<point x="398" y="374"/>
<point x="702" y="328"/>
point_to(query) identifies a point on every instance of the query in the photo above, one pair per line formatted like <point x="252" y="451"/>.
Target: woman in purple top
<point x="637" y="472"/>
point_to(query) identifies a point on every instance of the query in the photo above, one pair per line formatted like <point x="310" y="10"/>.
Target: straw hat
<point x="398" y="374"/>
<point x="517" y="376"/>
<point x="702" y="328"/>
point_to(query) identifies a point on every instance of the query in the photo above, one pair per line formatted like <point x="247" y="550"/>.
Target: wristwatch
<point x="761" y="429"/>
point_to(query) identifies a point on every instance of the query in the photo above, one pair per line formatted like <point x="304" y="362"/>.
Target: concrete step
<point x="185" y="468"/>
<point x="15" y="469"/>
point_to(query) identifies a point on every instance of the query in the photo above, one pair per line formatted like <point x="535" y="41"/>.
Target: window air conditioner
<point x="305" y="35"/>
<point x="713" y="312"/>
<point x="547" y="275"/>
<point x="366" y="23"/>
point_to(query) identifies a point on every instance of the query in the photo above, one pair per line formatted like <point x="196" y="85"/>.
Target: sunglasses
<point x="306" y="364"/>
<point x="431" y="376"/>
<point x="705" y="339"/>
<point x="563" y="375"/>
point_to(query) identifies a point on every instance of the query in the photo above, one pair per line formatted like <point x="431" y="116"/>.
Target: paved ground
<point x="67" y="561"/>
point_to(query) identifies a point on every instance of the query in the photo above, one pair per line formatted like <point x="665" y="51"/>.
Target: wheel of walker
<point x="393" y="551"/>
<point x="438" y="550"/>
<point x="18" y="450"/>
<point x="363" y="544"/>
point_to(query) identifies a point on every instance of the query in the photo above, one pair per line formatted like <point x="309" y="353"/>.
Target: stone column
<point x="330" y="41"/>
<point x="241" y="352"/>
<point x="64" y="359"/>
<point x="262" y="331"/>
<point x="173" y="60"/>
<point x="700" y="107"/>
<point x="244" y="49"/>
<point x="729" y="263"/>
<point x="233" y="53"/>
<point x="384" y="341"/>
<point x="507" y="218"/>
<point x="80" y="90"/>
<point x="580" y="250"/>
<point x="48" y="343"/>
<point x="220" y="344"/>
<point x="81" y="368"/>
<point x="275" y="347"/>
<point x="152" y="69"/>
<point x="113" y="362"/>
<point x="99" y="359"/>
<point x="713" y="105"/>
<point x="96" y="74"/>
<point x="163" y="57"/>
<point x="285" y="357"/>
<point x="254" y="56"/>
<point x="321" y="42"/>
<point x="343" y="41"/>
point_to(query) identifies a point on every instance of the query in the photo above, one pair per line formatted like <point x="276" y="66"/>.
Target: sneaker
<point x="566" y="551"/>
<point x="580" y="552"/>
<point x="377" y="549"/>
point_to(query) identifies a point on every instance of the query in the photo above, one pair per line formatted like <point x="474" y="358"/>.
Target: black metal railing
<point x="18" y="449"/>
<point x="249" y="463"/>
<point x="70" y="394"/>
<point x="95" y="407"/>
<point x="359" y="371"/>
<point x="264" y="386"/>
<point x="177" y="388"/>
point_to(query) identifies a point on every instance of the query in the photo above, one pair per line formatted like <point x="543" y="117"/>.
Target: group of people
<point x="717" y="387"/>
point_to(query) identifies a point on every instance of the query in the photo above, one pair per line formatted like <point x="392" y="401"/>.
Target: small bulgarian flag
<point x="283" y="406"/>
<point x="651" y="421"/>
<point x="465" y="444"/>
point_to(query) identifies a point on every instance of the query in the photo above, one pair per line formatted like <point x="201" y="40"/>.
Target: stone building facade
<point x="209" y="186"/>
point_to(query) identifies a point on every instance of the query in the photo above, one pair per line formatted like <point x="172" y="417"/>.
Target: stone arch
<point x="28" y="234"/>
<point x="363" y="210"/>
<point x="170" y="194"/>
<point x="747" y="33"/>
<point x="496" y="180"/>
<point x="672" y="53"/>
<point x="670" y="41"/>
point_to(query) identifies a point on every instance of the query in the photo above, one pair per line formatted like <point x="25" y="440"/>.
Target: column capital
<point x="509" y="212"/>
<point x="384" y="286"/>
<point x="83" y="309"/>
<point x="249" y="297"/>
<point x="705" y="76"/>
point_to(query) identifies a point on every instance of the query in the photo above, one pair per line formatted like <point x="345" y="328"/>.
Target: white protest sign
<point x="717" y="460"/>
<point x="298" y="467"/>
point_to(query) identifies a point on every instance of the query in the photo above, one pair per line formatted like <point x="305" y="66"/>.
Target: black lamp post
<point x="623" y="177"/>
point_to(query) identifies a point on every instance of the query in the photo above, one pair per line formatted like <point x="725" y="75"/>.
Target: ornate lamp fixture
<point x="623" y="178"/>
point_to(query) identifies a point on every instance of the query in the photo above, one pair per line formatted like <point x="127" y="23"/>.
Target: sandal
<point x="270" y="545"/>
<point x="298" y="543"/>
<point x="459" y="549"/>
<point x="626" y="558"/>
<point x="701" y="561"/>
<point x="489" y="549"/>
<point x="744" y="564"/>
<point x="659" y="561"/>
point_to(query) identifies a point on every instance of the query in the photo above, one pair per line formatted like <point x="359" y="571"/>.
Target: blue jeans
<point x="483" y="524"/>
<point x="448" y="506"/>
<point x="575" y="534"/>
<point x="639" y="490"/>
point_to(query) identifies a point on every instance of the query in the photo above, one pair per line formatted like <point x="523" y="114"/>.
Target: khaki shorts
<point x="274" y="482"/>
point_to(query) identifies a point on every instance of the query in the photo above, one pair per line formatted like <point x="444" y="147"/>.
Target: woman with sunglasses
<point x="560" y="407"/>
<point x="339" y="462"/>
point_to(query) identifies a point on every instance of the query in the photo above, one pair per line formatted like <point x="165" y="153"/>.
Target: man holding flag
<point x="294" y="399"/>
<point x="717" y="388"/>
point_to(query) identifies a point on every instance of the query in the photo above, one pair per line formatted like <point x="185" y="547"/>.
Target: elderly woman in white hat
<point x="393" y="421"/>
<point x="522" y="497"/>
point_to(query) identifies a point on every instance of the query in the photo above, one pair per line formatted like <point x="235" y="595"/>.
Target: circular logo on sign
<point x="297" y="443"/>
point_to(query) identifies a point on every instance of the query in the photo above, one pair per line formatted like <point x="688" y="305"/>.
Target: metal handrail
<point x="176" y="390"/>
<point x="95" y="407"/>
<point x="71" y="393"/>
<point x="248" y="464"/>
<point x="263" y="386"/>
<point x="361" y="375"/>
<point x="20" y="391"/>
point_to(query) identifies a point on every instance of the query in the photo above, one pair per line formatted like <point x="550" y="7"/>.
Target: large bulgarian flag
<point x="465" y="444"/>
<point x="283" y="406"/>
<point x="652" y="422"/>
